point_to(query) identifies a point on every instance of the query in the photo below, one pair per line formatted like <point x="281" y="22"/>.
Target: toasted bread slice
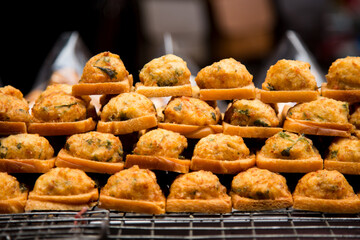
<point x="192" y="131"/>
<point x="168" y="91"/>
<point x="313" y="128"/>
<point x="64" y="159"/>
<point x="267" y="96"/>
<point x="250" y="131"/>
<point x="158" y="163"/>
<point x="343" y="167"/>
<point x="217" y="205"/>
<point x="340" y="95"/>
<point x="14" y="205"/>
<point x="127" y="205"/>
<point x="76" y="202"/>
<point x="103" y="88"/>
<point x="248" y="204"/>
<point x="26" y="165"/>
<point x="289" y="165"/>
<point x="62" y="128"/>
<point x="348" y="205"/>
<point x="222" y="166"/>
<point x="247" y="92"/>
<point x="8" y="128"/>
<point x="127" y="126"/>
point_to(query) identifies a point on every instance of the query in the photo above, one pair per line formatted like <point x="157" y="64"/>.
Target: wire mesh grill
<point x="102" y="224"/>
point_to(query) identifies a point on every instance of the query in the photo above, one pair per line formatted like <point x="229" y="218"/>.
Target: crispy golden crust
<point x="222" y="205"/>
<point x="7" y="128"/>
<point x="127" y="126"/>
<point x="64" y="159"/>
<point x="288" y="96"/>
<point x="14" y="205"/>
<point x="62" y="128"/>
<point x="192" y="131"/>
<point x="343" y="167"/>
<point x="349" y="205"/>
<point x="247" y="204"/>
<point x="250" y="131"/>
<point x="73" y="202"/>
<point x="247" y="92"/>
<point x="289" y="165"/>
<point x="126" y="205"/>
<point x="312" y="128"/>
<point x="103" y="88"/>
<point x="352" y="95"/>
<point x="158" y="163"/>
<point x="222" y="166"/>
<point x="167" y="91"/>
<point x="26" y="165"/>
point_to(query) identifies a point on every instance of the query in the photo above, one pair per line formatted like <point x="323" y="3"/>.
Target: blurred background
<point x="199" y="31"/>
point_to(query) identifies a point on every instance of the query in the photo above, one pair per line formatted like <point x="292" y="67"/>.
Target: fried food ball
<point x="221" y="147"/>
<point x="344" y="74"/>
<point x="289" y="75"/>
<point x="161" y="142"/>
<point x="324" y="184"/>
<point x="10" y="187"/>
<point x="197" y="185"/>
<point x="251" y="113"/>
<point x="134" y="184"/>
<point x="321" y="110"/>
<point x="227" y="73"/>
<point x="25" y="146"/>
<point x="344" y="150"/>
<point x="355" y="117"/>
<point x="104" y="67"/>
<point x="167" y="70"/>
<point x="56" y="104"/>
<point x="63" y="182"/>
<point x="192" y="111"/>
<point x="97" y="146"/>
<point x="13" y="107"/>
<point x="260" y="184"/>
<point x="286" y="145"/>
<point x="127" y="106"/>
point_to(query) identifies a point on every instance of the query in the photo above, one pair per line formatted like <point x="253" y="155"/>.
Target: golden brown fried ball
<point x="345" y="150"/>
<point x="289" y="75"/>
<point x="286" y="145"/>
<point x="324" y="184"/>
<point x="56" y="104"/>
<point x="260" y="184"/>
<point x="221" y="147"/>
<point x="63" y="182"/>
<point x="127" y="106"/>
<point x="10" y="187"/>
<point x="101" y="147"/>
<point x="321" y="110"/>
<point x="134" y="184"/>
<point x="344" y="74"/>
<point x="13" y="107"/>
<point x="201" y="184"/>
<point x="251" y="113"/>
<point x="168" y="70"/>
<point x="161" y="142"/>
<point x="227" y="73"/>
<point x="192" y="111"/>
<point x="104" y="67"/>
<point x="25" y="146"/>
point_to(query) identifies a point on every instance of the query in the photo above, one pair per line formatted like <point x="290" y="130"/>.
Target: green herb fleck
<point x="111" y="73"/>
<point x="260" y="123"/>
<point x="178" y="108"/>
<point x="213" y="115"/>
<point x="285" y="136"/>
<point x="244" y="112"/>
<point x="270" y="87"/>
<point x="66" y="105"/>
<point x="18" y="146"/>
<point x="333" y="154"/>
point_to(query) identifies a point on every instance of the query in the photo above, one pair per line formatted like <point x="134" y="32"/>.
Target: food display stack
<point x="163" y="145"/>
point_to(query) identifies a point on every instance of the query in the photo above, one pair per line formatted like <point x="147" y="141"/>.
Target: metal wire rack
<point x="102" y="224"/>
